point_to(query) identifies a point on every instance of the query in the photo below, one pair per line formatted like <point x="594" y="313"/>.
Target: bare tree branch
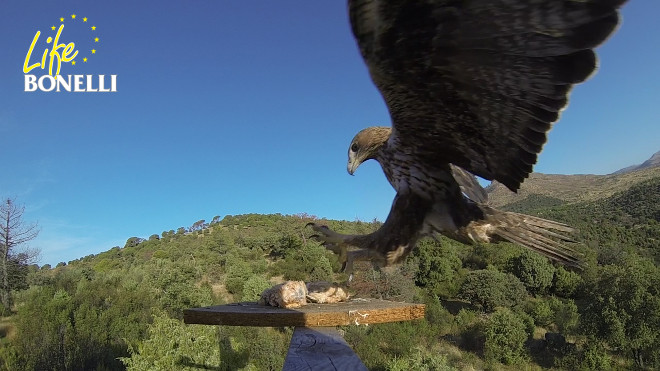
<point x="13" y="233"/>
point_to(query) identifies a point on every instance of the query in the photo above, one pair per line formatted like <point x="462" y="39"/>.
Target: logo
<point x="59" y="55"/>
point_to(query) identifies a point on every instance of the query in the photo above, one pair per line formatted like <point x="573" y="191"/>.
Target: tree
<point x="492" y="289"/>
<point x="505" y="337"/>
<point x="133" y="241"/>
<point x="438" y="267"/>
<point x="13" y="233"/>
<point x="623" y="308"/>
<point x="198" y="225"/>
<point x="171" y="345"/>
<point x="533" y="270"/>
<point x="253" y="287"/>
<point x="565" y="283"/>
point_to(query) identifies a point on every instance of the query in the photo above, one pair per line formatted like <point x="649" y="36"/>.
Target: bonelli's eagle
<point x="472" y="87"/>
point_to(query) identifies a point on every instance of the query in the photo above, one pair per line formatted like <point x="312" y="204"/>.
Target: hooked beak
<point x="352" y="166"/>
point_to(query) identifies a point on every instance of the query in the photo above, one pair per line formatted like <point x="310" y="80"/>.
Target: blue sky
<point x="232" y="107"/>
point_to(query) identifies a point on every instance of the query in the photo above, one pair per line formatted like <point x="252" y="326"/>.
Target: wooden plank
<point x="354" y="312"/>
<point x="322" y="349"/>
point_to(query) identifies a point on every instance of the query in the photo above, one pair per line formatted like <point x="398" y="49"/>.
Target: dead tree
<point x="14" y="232"/>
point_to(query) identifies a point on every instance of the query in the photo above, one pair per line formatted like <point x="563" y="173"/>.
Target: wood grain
<point x="354" y="312"/>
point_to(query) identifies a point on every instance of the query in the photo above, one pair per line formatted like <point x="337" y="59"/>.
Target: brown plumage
<point x="472" y="88"/>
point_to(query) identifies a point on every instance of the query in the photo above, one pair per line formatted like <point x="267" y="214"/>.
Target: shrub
<point x="438" y="266"/>
<point x="565" y="315"/>
<point x="542" y="313"/>
<point x="505" y="337"/>
<point x="253" y="288"/>
<point x="533" y="270"/>
<point x="491" y="289"/>
<point x="565" y="283"/>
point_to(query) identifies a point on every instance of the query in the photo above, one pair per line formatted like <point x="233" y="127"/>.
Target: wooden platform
<point x="316" y="345"/>
<point x="353" y="312"/>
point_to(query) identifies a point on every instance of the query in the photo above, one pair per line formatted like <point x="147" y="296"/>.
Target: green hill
<point x="487" y="306"/>
<point x="570" y="188"/>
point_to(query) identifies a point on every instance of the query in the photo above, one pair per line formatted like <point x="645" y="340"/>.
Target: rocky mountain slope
<point x="654" y="161"/>
<point x="556" y="189"/>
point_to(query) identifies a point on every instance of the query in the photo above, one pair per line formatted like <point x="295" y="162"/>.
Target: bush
<point x="623" y="309"/>
<point x="565" y="315"/>
<point x="171" y="345"/>
<point x="541" y="312"/>
<point x="505" y="337"/>
<point x="438" y="266"/>
<point x="422" y="359"/>
<point x="592" y="357"/>
<point x="565" y="283"/>
<point x="253" y="288"/>
<point x="307" y="263"/>
<point x="533" y="270"/>
<point x="491" y="289"/>
<point x="238" y="272"/>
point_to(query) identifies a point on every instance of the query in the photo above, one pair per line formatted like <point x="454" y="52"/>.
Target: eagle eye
<point x="354" y="147"/>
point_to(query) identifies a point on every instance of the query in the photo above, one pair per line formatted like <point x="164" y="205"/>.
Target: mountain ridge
<point x="575" y="188"/>
<point x="653" y="161"/>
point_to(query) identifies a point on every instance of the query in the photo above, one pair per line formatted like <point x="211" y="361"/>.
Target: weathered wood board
<point x="353" y="312"/>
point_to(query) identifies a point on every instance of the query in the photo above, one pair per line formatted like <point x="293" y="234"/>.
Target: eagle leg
<point x="338" y="243"/>
<point x="328" y="236"/>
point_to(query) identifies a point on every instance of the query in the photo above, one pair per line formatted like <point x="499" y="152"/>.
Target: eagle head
<point x="365" y="146"/>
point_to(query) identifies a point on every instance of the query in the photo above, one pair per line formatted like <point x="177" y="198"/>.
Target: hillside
<point x="654" y="161"/>
<point x="496" y="307"/>
<point x="628" y="220"/>
<point x="558" y="189"/>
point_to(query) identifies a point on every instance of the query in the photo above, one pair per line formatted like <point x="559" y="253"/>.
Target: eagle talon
<point x="335" y="242"/>
<point x="325" y="234"/>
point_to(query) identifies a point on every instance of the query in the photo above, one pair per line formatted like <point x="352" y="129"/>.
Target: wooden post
<point x="316" y="344"/>
<point x="320" y="348"/>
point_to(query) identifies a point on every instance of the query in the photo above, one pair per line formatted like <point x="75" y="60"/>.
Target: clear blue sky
<point x="232" y="107"/>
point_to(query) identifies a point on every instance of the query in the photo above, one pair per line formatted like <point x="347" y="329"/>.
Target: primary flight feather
<point x="472" y="87"/>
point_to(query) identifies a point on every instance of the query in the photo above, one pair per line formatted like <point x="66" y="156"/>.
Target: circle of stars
<point x="96" y="39"/>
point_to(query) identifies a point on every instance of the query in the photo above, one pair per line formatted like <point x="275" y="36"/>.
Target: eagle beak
<point x="352" y="165"/>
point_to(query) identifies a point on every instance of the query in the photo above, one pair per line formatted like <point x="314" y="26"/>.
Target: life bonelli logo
<point x="49" y="52"/>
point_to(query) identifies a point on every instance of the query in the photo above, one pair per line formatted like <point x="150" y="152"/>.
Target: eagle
<point x="472" y="88"/>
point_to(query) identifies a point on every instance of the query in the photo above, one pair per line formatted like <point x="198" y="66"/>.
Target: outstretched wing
<point x="479" y="83"/>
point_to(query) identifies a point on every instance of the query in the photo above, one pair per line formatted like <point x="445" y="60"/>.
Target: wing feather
<point x="479" y="83"/>
<point x="469" y="185"/>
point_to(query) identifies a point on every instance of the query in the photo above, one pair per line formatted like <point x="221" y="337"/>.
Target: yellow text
<point x="54" y="53"/>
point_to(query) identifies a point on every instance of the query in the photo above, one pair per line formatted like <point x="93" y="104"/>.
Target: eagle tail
<point x="544" y="236"/>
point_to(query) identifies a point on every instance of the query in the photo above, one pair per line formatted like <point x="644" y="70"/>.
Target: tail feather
<point x="540" y="244"/>
<point x="545" y="223"/>
<point x="546" y="227"/>
<point x="538" y="235"/>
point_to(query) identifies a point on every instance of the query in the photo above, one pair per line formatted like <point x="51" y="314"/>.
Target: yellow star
<point x="53" y="28"/>
<point x="73" y="16"/>
<point x="61" y="19"/>
<point x="85" y="59"/>
<point x="85" y="19"/>
<point x="93" y="28"/>
<point x="73" y="63"/>
<point x="96" y="39"/>
<point x="93" y="51"/>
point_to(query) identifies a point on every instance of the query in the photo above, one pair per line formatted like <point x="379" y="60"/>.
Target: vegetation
<point x="494" y="307"/>
<point x="13" y="233"/>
